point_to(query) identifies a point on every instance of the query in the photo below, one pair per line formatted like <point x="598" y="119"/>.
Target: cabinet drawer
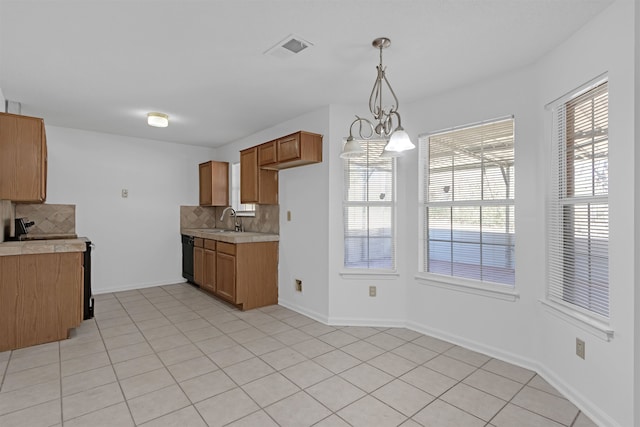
<point x="210" y="244"/>
<point x="198" y="242"/>
<point x="226" y="248"/>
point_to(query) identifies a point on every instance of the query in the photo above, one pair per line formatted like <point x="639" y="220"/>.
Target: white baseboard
<point x="574" y="396"/>
<point x="375" y="323"/>
<point x="584" y="404"/>
<point x="302" y="310"/>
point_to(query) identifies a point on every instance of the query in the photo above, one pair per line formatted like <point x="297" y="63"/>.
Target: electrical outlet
<point x="580" y="348"/>
<point x="372" y="291"/>
<point x="125" y="193"/>
<point x="298" y="285"/>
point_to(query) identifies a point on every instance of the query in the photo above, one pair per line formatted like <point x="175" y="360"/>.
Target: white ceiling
<point x="103" y="64"/>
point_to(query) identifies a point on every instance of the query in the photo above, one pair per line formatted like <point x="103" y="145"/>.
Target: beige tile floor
<point x="174" y="356"/>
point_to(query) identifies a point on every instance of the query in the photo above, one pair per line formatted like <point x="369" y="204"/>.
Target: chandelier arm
<point x="375" y="99"/>
<point x="394" y="107"/>
<point x="361" y="121"/>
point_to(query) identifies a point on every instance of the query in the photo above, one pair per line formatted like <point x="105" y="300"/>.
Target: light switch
<point x="288" y="215"/>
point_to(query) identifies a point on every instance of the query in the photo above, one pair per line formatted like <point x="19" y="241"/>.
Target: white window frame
<point x="588" y="319"/>
<point x="501" y="291"/>
<point x="360" y="272"/>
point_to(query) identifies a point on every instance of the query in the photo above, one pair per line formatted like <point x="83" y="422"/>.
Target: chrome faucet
<point x="237" y="226"/>
<point x="233" y="212"/>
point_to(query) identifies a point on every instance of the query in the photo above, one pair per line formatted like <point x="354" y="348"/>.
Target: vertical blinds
<point x="469" y="192"/>
<point x="369" y="237"/>
<point x="578" y="215"/>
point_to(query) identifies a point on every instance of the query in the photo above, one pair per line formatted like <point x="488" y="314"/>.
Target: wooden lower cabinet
<point x="209" y="261"/>
<point x="226" y="277"/>
<point x="40" y="298"/>
<point x="243" y="274"/>
<point x="198" y="261"/>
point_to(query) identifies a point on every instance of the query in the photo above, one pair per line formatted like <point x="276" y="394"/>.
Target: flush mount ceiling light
<point x="158" y="120"/>
<point x="388" y="124"/>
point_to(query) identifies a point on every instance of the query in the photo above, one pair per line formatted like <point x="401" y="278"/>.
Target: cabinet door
<point x="198" y="265"/>
<point x="289" y="148"/>
<point x="209" y="279"/>
<point x="205" y="184"/>
<point x="214" y="183"/>
<point x="267" y="154"/>
<point x="226" y="276"/>
<point x="268" y="187"/>
<point x="23" y="158"/>
<point x="249" y="175"/>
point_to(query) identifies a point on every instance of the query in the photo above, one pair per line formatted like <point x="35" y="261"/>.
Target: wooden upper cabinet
<point x="267" y="154"/>
<point x="256" y="185"/>
<point x="23" y="159"/>
<point x="214" y="183"/>
<point x="298" y="149"/>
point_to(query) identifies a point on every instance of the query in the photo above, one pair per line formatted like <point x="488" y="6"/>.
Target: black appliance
<point x="88" y="297"/>
<point x="187" y="257"/>
<point x="21" y="228"/>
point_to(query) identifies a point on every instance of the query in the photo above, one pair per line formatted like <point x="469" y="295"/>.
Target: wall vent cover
<point x="288" y="47"/>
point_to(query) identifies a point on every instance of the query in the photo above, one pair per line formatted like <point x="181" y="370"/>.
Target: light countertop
<point x="43" y="246"/>
<point x="230" y="236"/>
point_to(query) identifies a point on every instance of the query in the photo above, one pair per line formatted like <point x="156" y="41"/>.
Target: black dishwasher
<point x="187" y="257"/>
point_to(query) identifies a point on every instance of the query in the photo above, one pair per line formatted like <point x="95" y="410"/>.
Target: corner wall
<point x="523" y="331"/>
<point x="137" y="239"/>
<point x="304" y="240"/>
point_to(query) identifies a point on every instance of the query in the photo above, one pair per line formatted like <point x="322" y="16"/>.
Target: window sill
<point x="584" y="322"/>
<point x="369" y="274"/>
<point x="489" y="290"/>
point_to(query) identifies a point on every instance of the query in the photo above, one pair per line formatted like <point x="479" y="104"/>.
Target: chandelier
<point x="387" y="124"/>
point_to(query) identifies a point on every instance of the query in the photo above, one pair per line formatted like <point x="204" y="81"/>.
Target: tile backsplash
<point x="49" y="218"/>
<point x="266" y="219"/>
<point x="197" y="217"/>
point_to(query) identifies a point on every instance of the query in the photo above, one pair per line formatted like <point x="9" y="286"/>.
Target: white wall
<point x="349" y="300"/>
<point x="137" y="239"/>
<point x="636" y="209"/>
<point x="303" y="240"/>
<point x="603" y="383"/>
<point x="500" y="327"/>
<point x="522" y="331"/>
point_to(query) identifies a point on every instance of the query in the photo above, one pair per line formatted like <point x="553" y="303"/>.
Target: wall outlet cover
<point x="580" y="348"/>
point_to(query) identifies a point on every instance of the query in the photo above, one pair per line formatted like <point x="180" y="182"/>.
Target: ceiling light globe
<point x="351" y="148"/>
<point x="159" y="120"/>
<point x="399" y="141"/>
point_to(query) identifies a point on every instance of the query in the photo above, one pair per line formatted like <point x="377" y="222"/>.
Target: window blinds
<point x="578" y="217"/>
<point x="469" y="179"/>
<point x="369" y="235"/>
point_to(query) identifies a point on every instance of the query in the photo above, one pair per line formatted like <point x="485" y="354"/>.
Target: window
<point x="369" y="209"/>
<point x="242" y="209"/>
<point x="578" y="217"/>
<point x="468" y="202"/>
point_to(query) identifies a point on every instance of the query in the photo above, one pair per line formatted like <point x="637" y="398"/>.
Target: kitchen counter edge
<point x="230" y="236"/>
<point x="29" y="247"/>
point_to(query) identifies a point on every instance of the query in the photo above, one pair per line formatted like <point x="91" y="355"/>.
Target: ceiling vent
<point x="288" y="47"/>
